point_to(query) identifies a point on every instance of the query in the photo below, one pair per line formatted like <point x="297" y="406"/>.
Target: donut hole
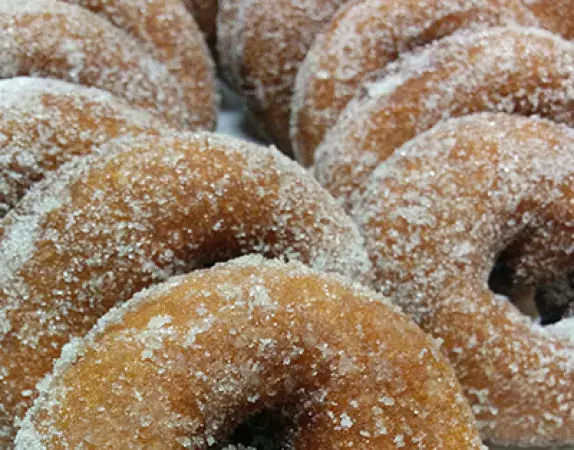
<point x="269" y="429"/>
<point x="555" y="300"/>
<point x="548" y="303"/>
<point x="502" y="281"/>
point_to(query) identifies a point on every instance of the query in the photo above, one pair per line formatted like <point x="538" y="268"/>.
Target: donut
<point x="205" y="13"/>
<point x="107" y="225"/>
<point x="508" y="69"/>
<point x="45" y="123"/>
<point x="182" y="363"/>
<point x="261" y="44"/>
<point x="436" y="215"/>
<point x="53" y="39"/>
<point x="365" y="36"/>
<point x="168" y="32"/>
<point x="557" y="15"/>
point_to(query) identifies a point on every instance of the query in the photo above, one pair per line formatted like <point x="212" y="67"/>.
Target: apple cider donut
<point x="366" y="35"/>
<point x="168" y="32"/>
<point x="107" y="225"/>
<point x="509" y="69"/>
<point x="53" y="39"/>
<point x="437" y="214"/>
<point x="44" y="123"/>
<point x="190" y="359"/>
<point x="261" y="44"/>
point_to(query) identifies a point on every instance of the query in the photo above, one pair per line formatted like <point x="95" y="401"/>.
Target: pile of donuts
<point x="393" y="273"/>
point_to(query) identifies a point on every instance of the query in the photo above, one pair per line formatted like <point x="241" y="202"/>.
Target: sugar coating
<point x="231" y="37"/>
<point x="44" y="123"/>
<point x="107" y="225"/>
<point x="365" y="36"/>
<point x="437" y="214"/>
<point x="556" y="15"/>
<point x="360" y="373"/>
<point x="564" y="328"/>
<point x="508" y="69"/>
<point x="261" y="44"/>
<point x="53" y="39"/>
<point x="167" y="31"/>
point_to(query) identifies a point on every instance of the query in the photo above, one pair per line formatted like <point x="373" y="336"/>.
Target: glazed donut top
<point x="181" y="364"/>
<point x="54" y="39"/>
<point x="45" y="123"/>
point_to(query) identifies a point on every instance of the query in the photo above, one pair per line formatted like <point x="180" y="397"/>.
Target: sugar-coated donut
<point x="50" y="38"/>
<point x="363" y="37"/>
<point x="107" y="225"/>
<point x="205" y="13"/>
<point x="261" y="44"/>
<point x="509" y="69"/>
<point x="167" y="30"/>
<point x="44" y="123"/>
<point x="557" y="15"/>
<point x="436" y="215"/>
<point x="179" y="365"/>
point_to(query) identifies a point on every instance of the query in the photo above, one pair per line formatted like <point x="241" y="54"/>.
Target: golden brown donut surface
<point x="557" y="15"/>
<point x="437" y="214"/>
<point x="53" y="39"/>
<point x="261" y="44"/>
<point x="105" y="226"/>
<point x="167" y="30"/>
<point x="510" y="69"/>
<point x="44" y="123"/>
<point x="363" y="37"/>
<point x="180" y="365"/>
